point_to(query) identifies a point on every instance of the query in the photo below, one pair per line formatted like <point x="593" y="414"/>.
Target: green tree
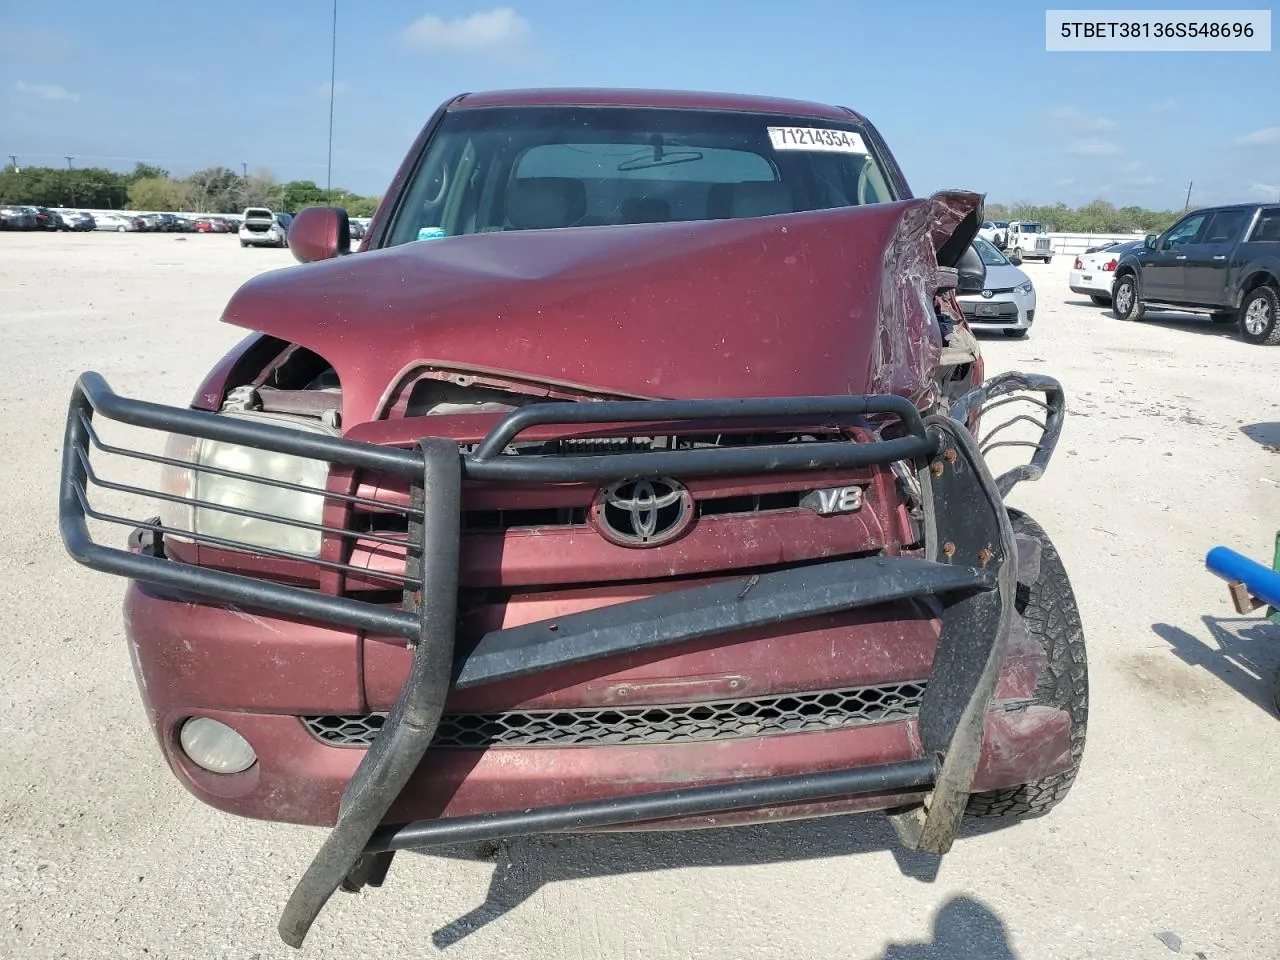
<point x="215" y="190"/>
<point x="302" y="193"/>
<point x="157" y="193"/>
<point x="146" y="171"/>
<point x="362" y="206"/>
<point x="262" y="190"/>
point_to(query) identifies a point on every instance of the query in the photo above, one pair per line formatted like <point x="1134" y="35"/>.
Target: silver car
<point x="1008" y="302"/>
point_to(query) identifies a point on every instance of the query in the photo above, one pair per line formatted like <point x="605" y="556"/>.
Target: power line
<point x="333" y="76"/>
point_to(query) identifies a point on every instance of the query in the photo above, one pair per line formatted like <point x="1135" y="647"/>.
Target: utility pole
<point x="333" y="75"/>
<point x="14" y="158"/>
<point x="1187" y="206"/>
<point x="244" y="169"/>
<point x="69" y="159"/>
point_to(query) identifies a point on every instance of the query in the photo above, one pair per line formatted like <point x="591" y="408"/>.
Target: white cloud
<point x="1075" y="120"/>
<point x="46" y="91"/>
<point x="1146" y="181"/>
<point x="1132" y="165"/>
<point x="499" y="29"/>
<point x="1164" y="106"/>
<point x="1093" y="148"/>
<point x="1267" y="136"/>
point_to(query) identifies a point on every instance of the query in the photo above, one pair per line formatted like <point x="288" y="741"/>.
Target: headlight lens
<point x="247" y="494"/>
<point x="215" y="746"/>
<point x="1024" y="288"/>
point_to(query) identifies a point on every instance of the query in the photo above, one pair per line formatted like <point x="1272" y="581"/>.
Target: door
<point x="1209" y="258"/>
<point x="1164" y="269"/>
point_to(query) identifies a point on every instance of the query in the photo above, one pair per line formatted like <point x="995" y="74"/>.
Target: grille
<point x="1004" y="311"/>
<point x="680" y="723"/>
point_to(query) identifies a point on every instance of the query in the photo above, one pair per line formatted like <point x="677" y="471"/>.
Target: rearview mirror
<point x="320" y="233"/>
<point x="971" y="272"/>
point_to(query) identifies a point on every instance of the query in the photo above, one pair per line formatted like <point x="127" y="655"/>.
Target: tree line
<point x="220" y="190"/>
<point x="148" y="187"/>
<point x="1096" y="217"/>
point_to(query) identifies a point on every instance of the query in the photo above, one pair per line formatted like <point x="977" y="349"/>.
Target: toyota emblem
<point x="987" y="294"/>
<point x="642" y="513"/>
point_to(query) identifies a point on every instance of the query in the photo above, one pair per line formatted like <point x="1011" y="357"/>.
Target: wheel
<point x="1126" y="305"/>
<point x="244" y="243"/>
<point x="1017" y="252"/>
<point x="1016" y="334"/>
<point x="1047" y="260"/>
<point x="1099" y="300"/>
<point x="1048" y="607"/>
<point x="1225" y="316"/>
<point x="1260" y="317"/>
<point x="122" y="230"/>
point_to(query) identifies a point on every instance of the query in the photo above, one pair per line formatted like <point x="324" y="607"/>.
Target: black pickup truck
<point x="1223" y="261"/>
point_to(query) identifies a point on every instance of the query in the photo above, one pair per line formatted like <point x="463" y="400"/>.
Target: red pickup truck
<point x="626" y="477"/>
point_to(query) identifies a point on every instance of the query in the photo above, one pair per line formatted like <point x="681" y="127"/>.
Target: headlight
<point x="1024" y="288"/>
<point x="246" y="494"/>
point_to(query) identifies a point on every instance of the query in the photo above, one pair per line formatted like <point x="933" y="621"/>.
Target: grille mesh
<point x="680" y="723"/>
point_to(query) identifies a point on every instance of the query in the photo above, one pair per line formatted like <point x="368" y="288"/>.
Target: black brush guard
<point x="970" y="566"/>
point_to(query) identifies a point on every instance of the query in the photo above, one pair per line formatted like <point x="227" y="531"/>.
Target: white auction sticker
<point x="815" y="138"/>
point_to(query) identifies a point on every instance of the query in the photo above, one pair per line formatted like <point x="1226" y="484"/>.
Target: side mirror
<point x="971" y="272"/>
<point x="320" y="233"/>
<point x="1150" y="242"/>
<point x="1015" y="259"/>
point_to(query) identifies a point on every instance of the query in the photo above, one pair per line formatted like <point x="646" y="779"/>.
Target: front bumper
<point x="968" y="571"/>
<point x="1015" y="311"/>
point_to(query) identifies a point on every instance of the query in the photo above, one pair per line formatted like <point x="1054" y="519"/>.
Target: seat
<point x="755" y="198"/>
<point x="645" y="210"/>
<point x="544" y="203"/>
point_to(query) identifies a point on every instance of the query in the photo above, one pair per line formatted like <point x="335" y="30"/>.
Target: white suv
<point x="262" y="228"/>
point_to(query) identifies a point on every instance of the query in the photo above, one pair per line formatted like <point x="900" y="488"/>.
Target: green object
<point x="1273" y="613"/>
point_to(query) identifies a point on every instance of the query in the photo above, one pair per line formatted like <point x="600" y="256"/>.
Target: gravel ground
<point x="1169" y="841"/>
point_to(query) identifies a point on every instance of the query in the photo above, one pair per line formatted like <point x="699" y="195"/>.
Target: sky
<point x="964" y="92"/>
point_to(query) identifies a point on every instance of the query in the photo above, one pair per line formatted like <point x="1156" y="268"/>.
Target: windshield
<point x="521" y="168"/>
<point x="1030" y="228"/>
<point x="990" y="255"/>
<point x="257" y="214"/>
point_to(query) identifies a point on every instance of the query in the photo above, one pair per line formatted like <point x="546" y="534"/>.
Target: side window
<point x="1226" y="226"/>
<point x="1268" y="227"/>
<point x="1186" y="231"/>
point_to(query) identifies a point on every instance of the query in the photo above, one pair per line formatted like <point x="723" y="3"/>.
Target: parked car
<point x="47" y="219"/>
<point x="17" y="218"/>
<point x="259" y="227"/>
<point x="118" y="222"/>
<point x="1093" y="270"/>
<point x="700" y="532"/>
<point x="210" y="225"/>
<point x="357" y="230"/>
<point x="1007" y="301"/>
<point x="1028" y="240"/>
<point x="995" y="232"/>
<point x="77" y="220"/>
<point x="1223" y="261"/>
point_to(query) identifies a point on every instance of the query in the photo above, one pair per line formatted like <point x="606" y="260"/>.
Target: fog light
<point x="215" y="746"/>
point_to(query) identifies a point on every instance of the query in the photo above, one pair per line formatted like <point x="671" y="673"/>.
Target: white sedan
<point x="1092" y="273"/>
<point x="116" y="222"/>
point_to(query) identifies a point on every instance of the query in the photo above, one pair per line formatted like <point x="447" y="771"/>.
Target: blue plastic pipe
<point x="1260" y="581"/>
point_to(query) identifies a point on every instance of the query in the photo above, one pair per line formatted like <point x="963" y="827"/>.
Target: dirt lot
<point x="1171" y="838"/>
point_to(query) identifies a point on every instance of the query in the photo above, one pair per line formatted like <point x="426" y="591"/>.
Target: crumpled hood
<point x="825" y="302"/>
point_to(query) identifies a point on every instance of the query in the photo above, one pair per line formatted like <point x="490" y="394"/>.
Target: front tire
<point x="1100" y="301"/>
<point x="1048" y="607"/>
<point x="1260" y="317"/>
<point x="1125" y="304"/>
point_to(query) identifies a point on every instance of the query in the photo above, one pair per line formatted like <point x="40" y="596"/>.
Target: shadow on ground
<point x="524" y="865"/>
<point x="1244" y="654"/>
<point x="1191" y="322"/>
<point x="963" y="929"/>
<point x="1267" y="434"/>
